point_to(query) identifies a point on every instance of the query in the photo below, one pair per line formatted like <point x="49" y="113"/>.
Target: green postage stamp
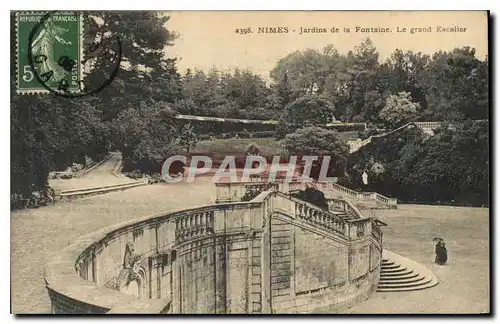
<point x="49" y="51"/>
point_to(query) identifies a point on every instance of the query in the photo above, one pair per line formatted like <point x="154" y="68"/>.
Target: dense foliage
<point x="450" y="167"/>
<point x="313" y="196"/>
<point x="319" y="142"/>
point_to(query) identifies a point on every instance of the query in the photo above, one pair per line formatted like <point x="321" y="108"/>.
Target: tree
<point x="406" y="72"/>
<point x="141" y="121"/>
<point x="307" y="71"/>
<point x="146" y="136"/>
<point x="186" y="107"/>
<point x="317" y="141"/>
<point x="399" y="109"/>
<point x="362" y="96"/>
<point x="187" y="137"/>
<point x="145" y="71"/>
<point x="307" y="110"/>
<point x="457" y="86"/>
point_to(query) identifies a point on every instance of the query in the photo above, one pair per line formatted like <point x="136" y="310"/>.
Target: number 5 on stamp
<point x="56" y="51"/>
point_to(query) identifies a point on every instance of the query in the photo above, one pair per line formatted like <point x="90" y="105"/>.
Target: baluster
<point x="181" y="228"/>
<point x="197" y="222"/>
<point x="192" y="224"/>
<point x="186" y="226"/>
<point x="177" y="228"/>
<point x="299" y="209"/>
<point x="201" y="229"/>
<point x="203" y="223"/>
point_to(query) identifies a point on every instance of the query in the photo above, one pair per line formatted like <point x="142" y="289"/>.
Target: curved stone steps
<point x="398" y="273"/>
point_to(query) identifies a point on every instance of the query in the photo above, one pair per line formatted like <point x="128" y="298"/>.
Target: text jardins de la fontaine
<point x="357" y="29"/>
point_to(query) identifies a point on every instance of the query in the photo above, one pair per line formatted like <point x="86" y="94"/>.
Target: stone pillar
<point x="346" y="230"/>
<point x="176" y="275"/>
<point x="266" y="296"/>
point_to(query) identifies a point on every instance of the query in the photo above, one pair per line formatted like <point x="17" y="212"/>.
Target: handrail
<point x="308" y="205"/>
<point x="422" y="125"/>
<point x="353" y="193"/>
<point x="87" y="170"/>
<point x="348" y="207"/>
<point x="321" y="185"/>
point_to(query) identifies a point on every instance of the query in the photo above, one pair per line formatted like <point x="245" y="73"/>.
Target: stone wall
<point x="310" y="271"/>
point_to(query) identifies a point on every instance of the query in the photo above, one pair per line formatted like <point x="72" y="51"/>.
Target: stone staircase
<point x="401" y="274"/>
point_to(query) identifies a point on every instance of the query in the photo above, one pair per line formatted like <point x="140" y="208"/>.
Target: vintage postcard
<point x="250" y="162"/>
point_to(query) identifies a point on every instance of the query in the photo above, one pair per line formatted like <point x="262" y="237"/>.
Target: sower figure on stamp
<point x="441" y="251"/>
<point x="43" y="47"/>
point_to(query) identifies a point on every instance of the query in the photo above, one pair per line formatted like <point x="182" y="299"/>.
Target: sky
<point x="208" y="38"/>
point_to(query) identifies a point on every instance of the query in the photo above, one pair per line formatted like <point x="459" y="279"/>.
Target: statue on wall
<point x="130" y="271"/>
<point x="131" y="264"/>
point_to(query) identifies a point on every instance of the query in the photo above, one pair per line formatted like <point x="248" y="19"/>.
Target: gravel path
<point x="101" y="175"/>
<point x="37" y="234"/>
<point x="463" y="283"/>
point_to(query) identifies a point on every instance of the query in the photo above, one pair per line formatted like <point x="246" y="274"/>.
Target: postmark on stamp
<point x="54" y="43"/>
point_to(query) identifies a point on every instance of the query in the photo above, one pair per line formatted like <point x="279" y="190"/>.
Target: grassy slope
<point x="268" y="146"/>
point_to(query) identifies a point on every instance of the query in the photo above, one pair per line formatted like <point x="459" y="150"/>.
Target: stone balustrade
<point x="245" y="191"/>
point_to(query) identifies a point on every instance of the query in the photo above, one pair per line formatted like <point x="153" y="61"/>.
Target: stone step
<point x="402" y="274"/>
<point x="400" y="281"/>
<point x="392" y="266"/>
<point x="427" y="283"/>
<point x="397" y="270"/>
<point x="406" y="285"/>
<point x="396" y="274"/>
<point x="408" y="276"/>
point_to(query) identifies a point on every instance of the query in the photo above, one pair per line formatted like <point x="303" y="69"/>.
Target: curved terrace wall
<point x="270" y="255"/>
